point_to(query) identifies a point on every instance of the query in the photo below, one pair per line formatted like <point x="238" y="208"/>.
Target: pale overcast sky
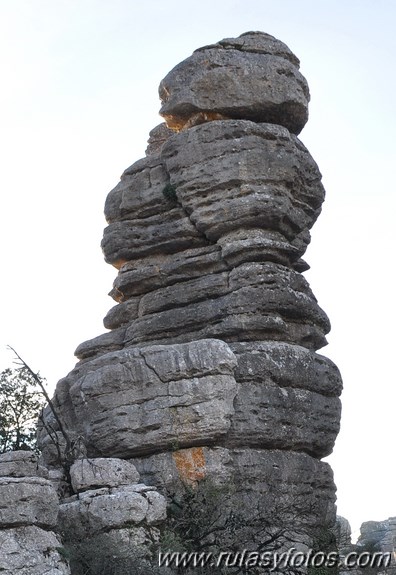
<point x="78" y="97"/>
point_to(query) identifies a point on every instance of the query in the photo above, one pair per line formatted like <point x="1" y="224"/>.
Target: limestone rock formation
<point x="28" y="518"/>
<point x="253" y="77"/>
<point x="379" y="535"/>
<point x="210" y="365"/>
<point x="342" y="531"/>
<point x="108" y="498"/>
<point x="376" y="543"/>
<point x="86" y="474"/>
<point x="110" y="516"/>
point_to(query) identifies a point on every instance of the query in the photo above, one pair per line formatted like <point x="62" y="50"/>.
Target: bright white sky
<point x="78" y="97"/>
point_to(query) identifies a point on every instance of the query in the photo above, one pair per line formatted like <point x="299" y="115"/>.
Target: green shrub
<point x="169" y="193"/>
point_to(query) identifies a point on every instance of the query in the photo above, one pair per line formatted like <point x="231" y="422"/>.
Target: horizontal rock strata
<point x="111" y="513"/>
<point x="28" y="518"/>
<point x="139" y="401"/>
<point x="103" y="509"/>
<point x="210" y="366"/>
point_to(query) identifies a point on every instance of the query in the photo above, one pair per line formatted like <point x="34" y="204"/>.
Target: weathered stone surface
<point x="139" y="194"/>
<point x="254" y="77"/>
<point x="100" y="510"/>
<point x="256" y="245"/>
<point x="138" y="401"/>
<point x="380" y="535"/>
<point x="104" y="343"/>
<point x="21" y="464"/>
<point x="102" y="472"/>
<point x="208" y="232"/>
<point x="27" y="501"/>
<point x="228" y="177"/>
<point x="287" y="398"/>
<point x="253" y="301"/>
<point x="169" y="232"/>
<point x="272" y="477"/>
<point x="283" y="396"/>
<point x="268" y="301"/>
<point x="342" y="531"/>
<point x="157" y="138"/>
<point x="127" y="551"/>
<point x="28" y="514"/>
<point x="232" y="175"/>
<point x="142" y="276"/>
<point x="31" y="551"/>
<point x="273" y="417"/>
<point x="286" y="365"/>
<point x="122" y="314"/>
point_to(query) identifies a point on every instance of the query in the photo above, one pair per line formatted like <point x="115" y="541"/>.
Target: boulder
<point x="101" y="510"/>
<point x="101" y="472"/>
<point x="254" y="77"/>
<point x="27" y="501"/>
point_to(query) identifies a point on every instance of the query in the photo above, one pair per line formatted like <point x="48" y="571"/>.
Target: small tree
<point x="20" y="406"/>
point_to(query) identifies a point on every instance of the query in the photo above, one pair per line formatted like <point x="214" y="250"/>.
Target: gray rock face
<point x="21" y="464"/>
<point x="274" y="478"/>
<point x="377" y="540"/>
<point x="232" y="175"/>
<point x="380" y="535"/>
<point x="100" y="472"/>
<point x="342" y="531"/>
<point x="27" y="501"/>
<point x="146" y="400"/>
<point x="210" y="366"/>
<point x="103" y="509"/>
<point x="137" y="401"/>
<point x="28" y="518"/>
<point x="112" y="512"/>
<point x="254" y="77"/>
<point x="31" y="551"/>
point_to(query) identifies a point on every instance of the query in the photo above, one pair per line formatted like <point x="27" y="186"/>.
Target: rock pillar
<point x="210" y="365"/>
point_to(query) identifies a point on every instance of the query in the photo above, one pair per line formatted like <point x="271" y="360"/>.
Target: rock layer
<point x="210" y="366"/>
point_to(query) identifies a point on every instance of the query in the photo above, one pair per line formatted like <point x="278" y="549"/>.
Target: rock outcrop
<point x="28" y="518"/>
<point x="342" y="531"/>
<point x="374" y="550"/>
<point x="210" y="367"/>
<point x="379" y="536"/>
<point x="110" y="501"/>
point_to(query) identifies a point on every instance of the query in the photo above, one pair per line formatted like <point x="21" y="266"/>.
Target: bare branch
<point x="37" y="379"/>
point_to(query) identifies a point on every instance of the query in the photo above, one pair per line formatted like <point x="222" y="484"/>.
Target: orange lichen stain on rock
<point x="174" y="123"/>
<point x="190" y="464"/>
<point x="202" y="117"/>
<point x="119" y="263"/>
<point x="178" y="123"/>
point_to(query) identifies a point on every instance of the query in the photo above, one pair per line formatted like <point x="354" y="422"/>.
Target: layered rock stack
<point x="210" y="366"/>
<point x="28" y="518"/>
<point x="111" y="512"/>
